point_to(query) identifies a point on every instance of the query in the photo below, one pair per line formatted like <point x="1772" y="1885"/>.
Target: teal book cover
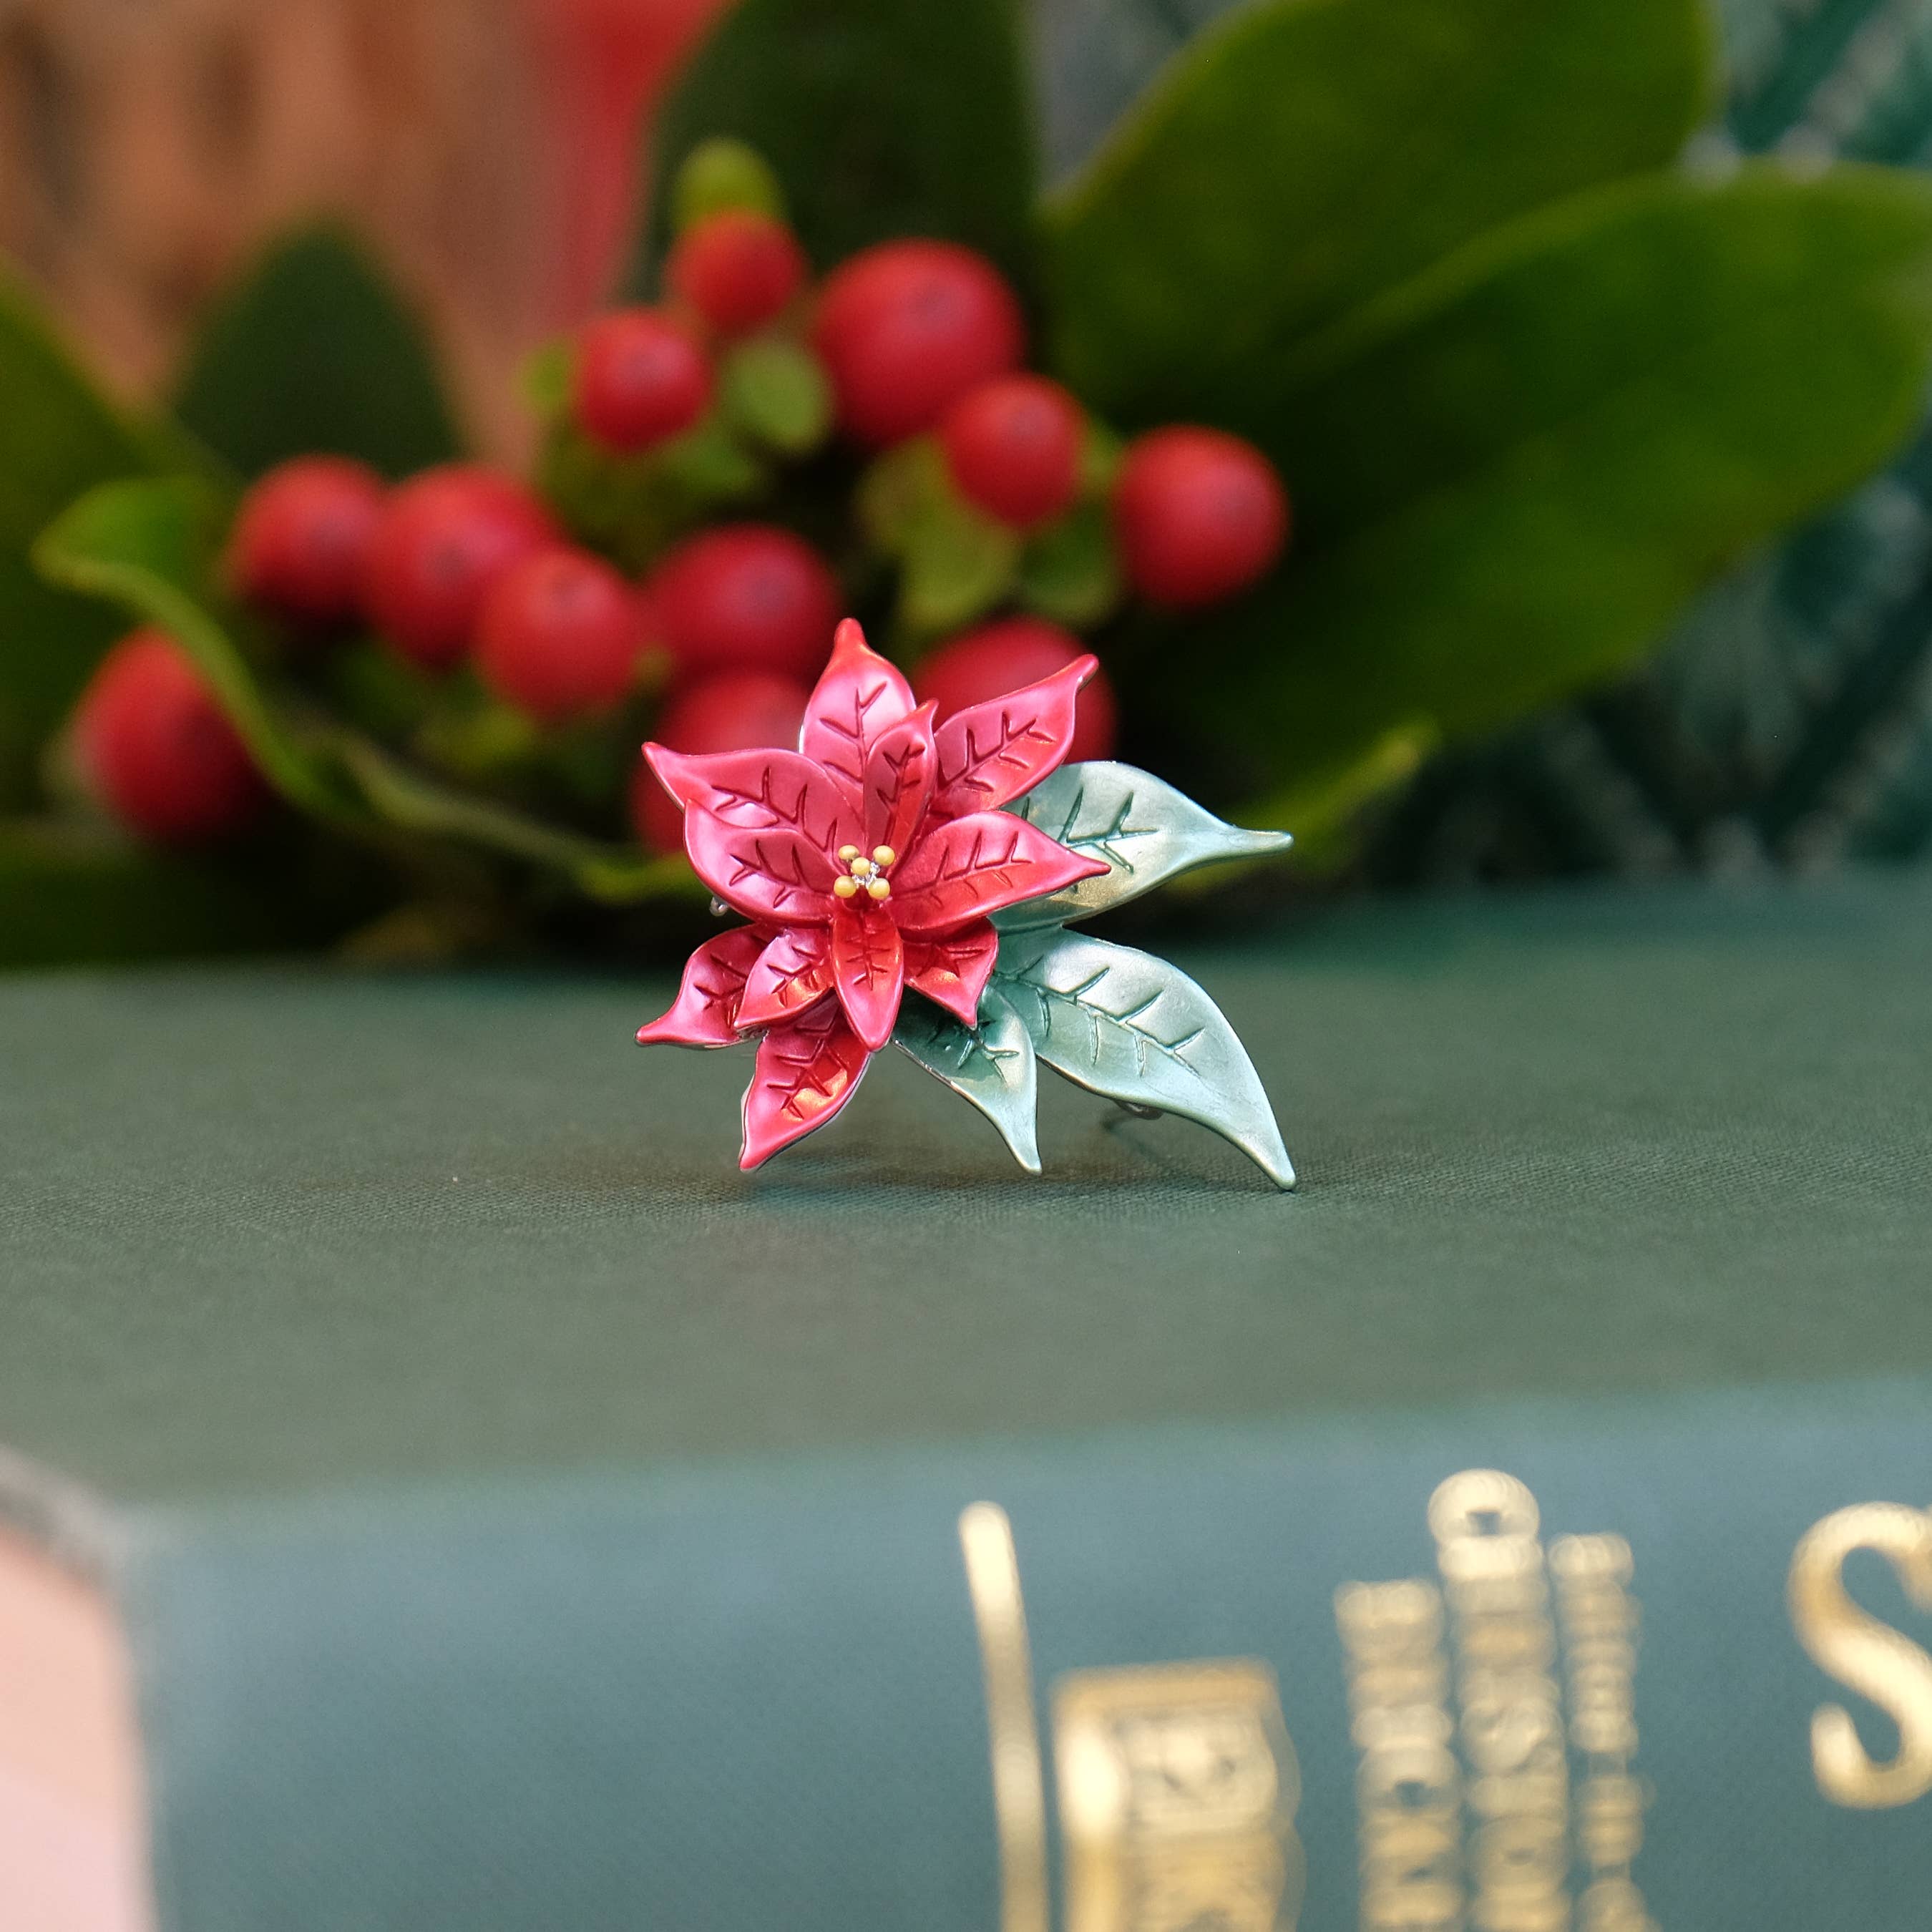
<point x="496" y="1510"/>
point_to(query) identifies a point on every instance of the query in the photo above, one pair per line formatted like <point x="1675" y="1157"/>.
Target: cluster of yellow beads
<point x="861" y="871"/>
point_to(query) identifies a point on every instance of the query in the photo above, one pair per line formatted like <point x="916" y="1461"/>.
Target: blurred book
<point x="442" y="1491"/>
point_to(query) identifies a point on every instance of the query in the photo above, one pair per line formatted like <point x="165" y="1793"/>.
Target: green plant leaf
<point x="1519" y="466"/>
<point x="1144" y="831"/>
<point x="958" y="563"/>
<point x="81" y="893"/>
<point x="314" y="350"/>
<point x="718" y="174"/>
<point x="1325" y="806"/>
<point x="1068" y="572"/>
<point x="59" y="437"/>
<point x="775" y="391"/>
<point x="994" y="1066"/>
<point x="1136" y="1030"/>
<point x="1301" y="157"/>
<point x="880" y="117"/>
<point x="147" y="546"/>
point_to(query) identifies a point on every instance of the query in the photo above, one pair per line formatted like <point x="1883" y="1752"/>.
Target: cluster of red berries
<point x="462" y="566"/>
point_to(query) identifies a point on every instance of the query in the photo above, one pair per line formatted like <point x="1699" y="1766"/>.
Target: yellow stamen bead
<point x="845" y="888"/>
<point x="882" y="855"/>
<point x="847" y="853"/>
<point x="879" y="889"/>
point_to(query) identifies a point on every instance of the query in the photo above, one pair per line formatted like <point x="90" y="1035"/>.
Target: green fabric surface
<point x="278" y="1229"/>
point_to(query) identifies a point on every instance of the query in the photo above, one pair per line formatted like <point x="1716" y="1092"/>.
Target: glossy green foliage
<point x="314" y="350"/>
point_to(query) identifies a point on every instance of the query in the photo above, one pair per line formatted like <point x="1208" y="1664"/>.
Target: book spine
<point x="1606" y="1668"/>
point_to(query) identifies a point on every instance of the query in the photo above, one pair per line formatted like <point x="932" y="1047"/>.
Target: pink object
<point x="906" y="328"/>
<point x="445" y="538"/>
<point x="159" y="750"/>
<point x="868" y="860"/>
<point x="733" y="711"/>
<point x="745" y="597"/>
<point x="1013" y="447"/>
<point x="640" y="378"/>
<point x="301" y="538"/>
<point x="738" y="269"/>
<point x="1199" y="515"/>
<point x="980" y="663"/>
<point x="559" y="635"/>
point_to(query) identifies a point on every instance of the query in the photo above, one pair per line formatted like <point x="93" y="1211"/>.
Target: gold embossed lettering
<point x="1865" y="1654"/>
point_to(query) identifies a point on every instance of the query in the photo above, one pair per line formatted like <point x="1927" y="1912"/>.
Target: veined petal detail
<point x="868" y="970"/>
<point x="969" y="867"/>
<point x="953" y="971"/>
<point x="705" y="1012"/>
<point x="806" y="1071"/>
<point x="793" y="972"/>
<point x="857" y="697"/>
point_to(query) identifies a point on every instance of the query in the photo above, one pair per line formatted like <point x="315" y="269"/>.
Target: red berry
<point x="445" y="538"/>
<point x="1200" y="514"/>
<point x="737" y="269"/>
<point x="1012" y="445"/>
<point x="1003" y="656"/>
<point x="748" y="596"/>
<point x="158" y="749"/>
<point x="640" y="377"/>
<point x="558" y="635"/>
<point x="301" y="541"/>
<point x="905" y="328"/>
<point x="733" y="712"/>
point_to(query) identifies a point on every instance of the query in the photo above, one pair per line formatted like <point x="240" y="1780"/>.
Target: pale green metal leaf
<point x="1139" y="1030"/>
<point x="994" y="1068"/>
<point x="1146" y="831"/>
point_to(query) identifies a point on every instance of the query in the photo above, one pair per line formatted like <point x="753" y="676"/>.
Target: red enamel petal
<point x="705" y="1011"/>
<point x="858" y="696"/>
<point x="762" y="789"/>
<point x="974" y="865"/>
<point x="954" y="971"/>
<point x="898" y="781"/>
<point x="778" y="874"/>
<point x="793" y="972"/>
<point x="868" y="969"/>
<point x="806" y="1072"/>
<point x="992" y="752"/>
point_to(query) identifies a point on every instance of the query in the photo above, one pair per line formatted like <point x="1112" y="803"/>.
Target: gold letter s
<point x="1866" y="1655"/>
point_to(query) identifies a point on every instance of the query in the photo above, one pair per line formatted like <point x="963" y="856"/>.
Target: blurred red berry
<point x="560" y="635"/>
<point x="738" y="269"/>
<point x="640" y="377"/>
<point x="1199" y="515"/>
<point x="1003" y="655"/>
<point x="445" y="537"/>
<point x="748" y="596"/>
<point x="301" y="540"/>
<point x="906" y="328"/>
<point x="733" y="712"/>
<point x="157" y="748"/>
<point x="1012" y="446"/>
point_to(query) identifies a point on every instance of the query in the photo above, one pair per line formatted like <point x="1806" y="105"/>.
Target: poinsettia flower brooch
<point x="890" y="856"/>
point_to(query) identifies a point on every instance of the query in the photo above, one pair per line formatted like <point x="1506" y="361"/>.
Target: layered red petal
<point x="807" y="1070"/>
<point x="992" y="752"/>
<point x="868" y="969"/>
<point x="793" y="972"/>
<point x="858" y="696"/>
<point x="953" y="970"/>
<point x="763" y="790"/>
<point x="778" y="874"/>
<point x="705" y="1012"/>
<point x="969" y="867"/>
<point x="899" y="773"/>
